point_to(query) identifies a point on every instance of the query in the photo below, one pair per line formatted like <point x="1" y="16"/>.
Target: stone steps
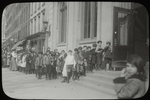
<point x="101" y="81"/>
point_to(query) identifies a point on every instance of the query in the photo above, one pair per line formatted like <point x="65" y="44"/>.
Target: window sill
<point x="61" y="44"/>
<point x="88" y="41"/>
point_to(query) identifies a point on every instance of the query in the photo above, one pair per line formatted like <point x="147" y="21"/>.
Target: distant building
<point x="74" y="24"/>
<point x="17" y="22"/>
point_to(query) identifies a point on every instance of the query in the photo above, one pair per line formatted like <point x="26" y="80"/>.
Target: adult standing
<point x="99" y="52"/>
<point x="8" y="59"/>
<point x="28" y="63"/>
<point x="23" y="61"/>
<point x="33" y="58"/>
<point x="68" y="66"/>
<point x="47" y="60"/>
<point x="62" y="58"/>
<point x="13" y="65"/>
<point x="93" y="53"/>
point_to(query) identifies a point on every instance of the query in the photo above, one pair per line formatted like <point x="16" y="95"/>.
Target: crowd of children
<point x="53" y="64"/>
<point x="72" y="65"/>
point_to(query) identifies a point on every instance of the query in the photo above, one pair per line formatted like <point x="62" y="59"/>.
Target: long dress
<point x="23" y="61"/>
<point x="13" y="65"/>
<point x="28" y="62"/>
<point x="99" y="56"/>
<point x="93" y="56"/>
<point x="68" y="59"/>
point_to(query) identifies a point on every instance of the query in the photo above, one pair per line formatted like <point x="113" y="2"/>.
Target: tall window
<point x="43" y="18"/>
<point x="39" y="5"/>
<point x="90" y="20"/>
<point x="32" y="7"/>
<point x="63" y="22"/>
<point x="35" y="6"/>
<point x="87" y="20"/>
<point x="95" y="19"/>
<point x="39" y="22"/>
<point x="43" y="3"/>
<point x="27" y="13"/>
<point x="31" y="27"/>
<point x="35" y="25"/>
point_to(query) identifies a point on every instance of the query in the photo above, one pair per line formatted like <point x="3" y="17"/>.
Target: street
<point x="20" y="86"/>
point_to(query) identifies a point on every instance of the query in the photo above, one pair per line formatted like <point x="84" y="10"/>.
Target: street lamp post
<point x="45" y="24"/>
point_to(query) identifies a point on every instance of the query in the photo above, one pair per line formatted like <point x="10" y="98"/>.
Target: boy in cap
<point x="76" y="75"/>
<point x="107" y="55"/>
<point x="39" y="65"/>
<point x="69" y="65"/>
<point x="89" y="59"/>
<point x="81" y="59"/>
<point x="93" y="56"/>
<point x="99" y="51"/>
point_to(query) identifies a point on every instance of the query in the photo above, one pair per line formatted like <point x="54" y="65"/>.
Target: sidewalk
<point x="20" y="86"/>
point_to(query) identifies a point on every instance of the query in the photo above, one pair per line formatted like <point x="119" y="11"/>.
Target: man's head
<point x="94" y="45"/>
<point x="88" y="48"/>
<point x="70" y="52"/>
<point x="108" y="43"/>
<point x="40" y="54"/>
<point x="99" y="43"/>
<point x="75" y="50"/>
<point x="47" y="52"/>
<point x="56" y="50"/>
<point x="80" y="49"/>
<point x="48" y="48"/>
<point x="84" y="48"/>
<point x="62" y="51"/>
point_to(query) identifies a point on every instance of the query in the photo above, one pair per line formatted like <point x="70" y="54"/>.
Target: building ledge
<point x="88" y="41"/>
<point x="61" y="44"/>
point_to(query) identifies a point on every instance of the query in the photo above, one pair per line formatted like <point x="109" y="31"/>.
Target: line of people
<point x="53" y="64"/>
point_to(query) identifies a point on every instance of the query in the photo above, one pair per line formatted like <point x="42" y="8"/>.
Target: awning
<point x="17" y="44"/>
<point x="34" y="35"/>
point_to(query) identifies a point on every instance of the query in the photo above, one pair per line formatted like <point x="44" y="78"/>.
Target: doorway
<point x="130" y="32"/>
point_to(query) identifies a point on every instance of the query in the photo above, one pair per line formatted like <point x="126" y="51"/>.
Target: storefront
<point x="37" y="41"/>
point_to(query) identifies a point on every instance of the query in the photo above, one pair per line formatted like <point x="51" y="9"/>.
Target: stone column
<point x="99" y="20"/>
<point x="106" y="23"/>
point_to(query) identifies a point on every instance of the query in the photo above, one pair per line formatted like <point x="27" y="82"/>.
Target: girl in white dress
<point x="23" y="62"/>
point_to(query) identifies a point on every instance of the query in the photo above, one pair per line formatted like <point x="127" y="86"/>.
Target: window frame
<point x="92" y="22"/>
<point x="63" y="12"/>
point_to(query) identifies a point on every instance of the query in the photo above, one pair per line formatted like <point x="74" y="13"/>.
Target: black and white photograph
<point x="75" y="50"/>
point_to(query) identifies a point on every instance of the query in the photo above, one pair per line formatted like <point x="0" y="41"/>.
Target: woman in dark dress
<point x="93" y="53"/>
<point x="62" y="57"/>
<point x="28" y="63"/>
<point x="99" y="52"/>
<point x="33" y="58"/>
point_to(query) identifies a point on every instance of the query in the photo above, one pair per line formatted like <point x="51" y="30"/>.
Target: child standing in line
<point x="89" y="59"/>
<point x="62" y="58"/>
<point x="93" y="56"/>
<point x="81" y="61"/>
<point x="107" y="56"/>
<point x="76" y="73"/>
<point x="23" y="62"/>
<point x="131" y="83"/>
<point x="69" y="64"/>
<point x="99" y="51"/>
<point x="84" y="52"/>
<point x="39" y="64"/>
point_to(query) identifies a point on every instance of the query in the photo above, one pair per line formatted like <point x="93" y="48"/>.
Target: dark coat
<point x="93" y="59"/>
<point x="33" y="58"/>
<point x="99" y="56"/>
<point x="89" y="58"/>
<point x="28" y="62"/>
<point x="107" y="51"/>
<point x="132" y="88"/>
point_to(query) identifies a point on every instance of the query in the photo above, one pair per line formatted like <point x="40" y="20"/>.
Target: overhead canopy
<point x="17" y="44"/>
<point x="34" y="35"/>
